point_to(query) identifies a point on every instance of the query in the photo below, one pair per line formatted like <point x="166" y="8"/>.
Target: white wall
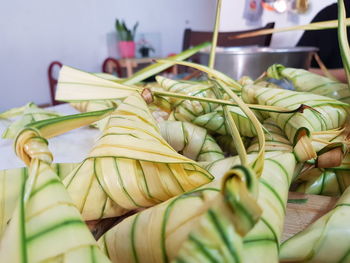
<point x="232" y="13"/>
<point x="34" y="33"/>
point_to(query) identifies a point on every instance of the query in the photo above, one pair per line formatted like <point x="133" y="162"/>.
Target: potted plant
<point x="145" y="47"/>
<point x="126" y="36"/>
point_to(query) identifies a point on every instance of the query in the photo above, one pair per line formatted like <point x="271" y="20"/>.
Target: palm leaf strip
<point x="204" y="224"/>
<point x="306" y="81"/>
<point x="190" y="140"/>
<point x="131" y="166"/>
<point x="45" y="225"/>
<point x="326" y="240"/>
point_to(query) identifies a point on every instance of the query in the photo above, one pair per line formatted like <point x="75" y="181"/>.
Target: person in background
<point x="327" y="42"/>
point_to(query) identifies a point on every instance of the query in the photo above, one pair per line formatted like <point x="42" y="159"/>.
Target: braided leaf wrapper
<point x="326" y="240"/>
<point x="192" y="141"/>
<point x="206" y="224"/>
<point x="328" y="181"/>
<point x="261" y="244"/>
<point x="215" y="121"/>
<point x="131" y="166"/>
<point x="327" y="113"/>
<point x="275" y="139"/>
<point x="11" y="183"/>
<point x="187" y="110"/>
<point x="45" y="225"/>
<point x="307" y="81"/>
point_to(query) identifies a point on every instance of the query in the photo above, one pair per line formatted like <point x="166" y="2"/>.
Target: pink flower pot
<point x="126" y="49"/>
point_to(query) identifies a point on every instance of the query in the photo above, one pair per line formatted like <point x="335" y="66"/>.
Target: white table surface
<point x="70" y="147"/>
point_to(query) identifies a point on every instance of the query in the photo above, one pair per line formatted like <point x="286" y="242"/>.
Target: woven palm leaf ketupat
<point x="275" y="142"/>
<point x="307" y="81"/>
<point x="261" y="244"/>
<point x="73" y="83"/>
<point x="45" y="226"/>
<point x="215" y="121"/>
<point x="326" y="240"/>
<point x="275" y="139"/>
<point x="324" y="138"/>
<point x="11" y="183"/>
<point x="325" y="114"/>
<point x="203" y="225"/>
<point x="131" y="166"/>
<point x="192" y="141"/>
<point x="204" y="114"/>
<point x="135" y="239"/>
<point x="328" y="113"/>
<point x="225" y="85"/>
<point x="330" y="181"/>
<point x="186" y="110"/>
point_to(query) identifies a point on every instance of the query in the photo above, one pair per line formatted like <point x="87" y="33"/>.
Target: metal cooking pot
<point x="253" y="61"/>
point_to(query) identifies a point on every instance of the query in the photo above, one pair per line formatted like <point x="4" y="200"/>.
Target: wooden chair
<point x="112" y="66"/>
<point x="192" y="38"/>
<point x="53" y="81"/>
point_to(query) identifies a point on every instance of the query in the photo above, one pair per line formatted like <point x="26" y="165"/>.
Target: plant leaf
<point x="30" y="114"/>
<point x="160" y="66"/>
<point x="312" y="26"/>
<point x="131" y="166"/>
<point x="215" y="34"/>
<point x="52" y="127"/>
<point x="134" y="30"/>
<point x="343" y="39"/>
<point x="211" y="72"/>
<point x="76" y="85"/>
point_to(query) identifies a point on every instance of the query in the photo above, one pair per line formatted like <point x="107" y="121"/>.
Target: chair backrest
<point x="112" y="66"/>
<point x="53" y="81"/>
<point x="192" y="38"/>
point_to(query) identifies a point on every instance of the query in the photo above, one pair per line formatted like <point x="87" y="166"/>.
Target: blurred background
<point x="82" y="34"/>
